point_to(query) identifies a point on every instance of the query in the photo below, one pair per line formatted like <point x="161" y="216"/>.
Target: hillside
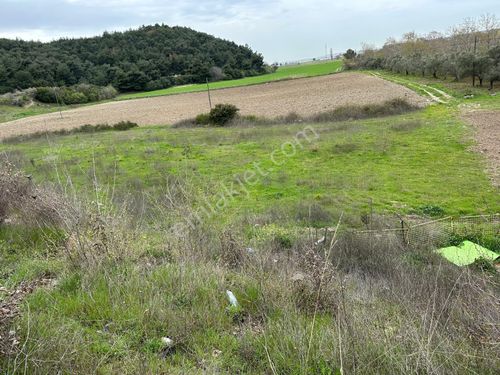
<point x="124" y="262"/>
<point x="152" y="57"/>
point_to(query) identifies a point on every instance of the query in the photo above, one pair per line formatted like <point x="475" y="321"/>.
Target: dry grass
<point x="391" y="107"/>
<point x="347" y="303"/>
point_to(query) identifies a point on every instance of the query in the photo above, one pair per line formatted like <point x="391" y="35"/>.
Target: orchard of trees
<point x="471" y="49"/>
<point x="152" y="57"/>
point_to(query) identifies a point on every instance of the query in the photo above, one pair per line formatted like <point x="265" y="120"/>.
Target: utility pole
<point x="331" y="53"/>
<point x="209" y="98"/>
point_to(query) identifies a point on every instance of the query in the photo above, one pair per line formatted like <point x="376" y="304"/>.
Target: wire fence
<point x="482" y="229"/>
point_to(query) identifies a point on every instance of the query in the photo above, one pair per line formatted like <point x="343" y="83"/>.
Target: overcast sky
<point x="282" y="30"/>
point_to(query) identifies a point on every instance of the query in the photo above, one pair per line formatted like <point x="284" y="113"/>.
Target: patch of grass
<point x="28" y="253"/>
<point x="10" y="112"/>
<point x="120" y="126"/>
<point x="129" y="275"/>
<point x="406" y="126"/>
<point x="283" y="73"/>
<point x="398" y="170"/>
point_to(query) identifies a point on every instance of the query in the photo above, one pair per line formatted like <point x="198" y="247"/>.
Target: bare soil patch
<point x="487" y="134"/>
<point x="305" y="96"/>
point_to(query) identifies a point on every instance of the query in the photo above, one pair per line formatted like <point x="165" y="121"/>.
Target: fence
<point x="483" y="229"/>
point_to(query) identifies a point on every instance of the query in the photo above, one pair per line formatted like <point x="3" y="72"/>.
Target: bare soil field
<point x="487" y="134"/>
<point x="304" y="96"/>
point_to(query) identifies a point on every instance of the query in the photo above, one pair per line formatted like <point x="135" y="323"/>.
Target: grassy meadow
<point x="394" y="163"/>
<point x="111" y="228"/>
<point x="11" y="113"/>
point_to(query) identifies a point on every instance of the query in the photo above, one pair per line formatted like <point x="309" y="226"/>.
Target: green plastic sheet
<point x="467" y="253"/>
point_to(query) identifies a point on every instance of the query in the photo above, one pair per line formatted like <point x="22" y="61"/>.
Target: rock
<point x="298" y="276"/>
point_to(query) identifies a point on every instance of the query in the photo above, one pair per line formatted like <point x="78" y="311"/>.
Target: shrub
<point x="432" y="210"/>
<point x="45" y="95"/>
<point x="78" y="94"/>
<point x="73" y="97"/>
<point x="18" y="98"/>
<point x="355" y="112"/>
<point x="202" y="119"/>
<point x="124" y="125"/>
<point x="221" y="114"/>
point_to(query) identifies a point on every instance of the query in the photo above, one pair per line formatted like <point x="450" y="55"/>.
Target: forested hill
<point x="149" y="58"/>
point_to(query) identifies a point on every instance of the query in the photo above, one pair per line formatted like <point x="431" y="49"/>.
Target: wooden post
<point x="209" y="98"/>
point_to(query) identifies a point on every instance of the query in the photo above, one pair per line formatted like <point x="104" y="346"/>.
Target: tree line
<point x="471" y="49"/>
<point x="150" y="58"/>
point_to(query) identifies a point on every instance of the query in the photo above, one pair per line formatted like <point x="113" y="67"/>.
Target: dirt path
<point x="487" y="133"/>
<point x="433" y="93"/>
<point x="305" y="96"/>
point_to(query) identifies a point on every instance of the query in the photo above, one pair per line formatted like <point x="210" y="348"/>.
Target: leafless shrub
<point x="314" y="285"/>
<point x="232" y="253"/>
<point x="25" y="201"/>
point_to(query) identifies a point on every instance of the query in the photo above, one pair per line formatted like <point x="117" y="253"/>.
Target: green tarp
<point x="466" y="253"/>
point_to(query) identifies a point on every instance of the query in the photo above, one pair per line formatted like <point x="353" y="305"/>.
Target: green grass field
<point x="395" y="162"/>
<point x="284" y="72"/>
<point x="10" y="113"/>
<point x="128" y="276"/>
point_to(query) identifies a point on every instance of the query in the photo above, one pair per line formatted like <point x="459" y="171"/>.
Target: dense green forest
<point x="152" y="57"/>
<point x="471" y="49"/>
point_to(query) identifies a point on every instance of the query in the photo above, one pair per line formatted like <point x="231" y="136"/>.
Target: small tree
<point x="221" y="114"/>
<point x="216" y="74"/>
<point x="349" y="54"/>
<point x="493" y="73"/>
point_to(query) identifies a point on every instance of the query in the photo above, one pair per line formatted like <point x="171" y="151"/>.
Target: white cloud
<point x="281" y="29"/>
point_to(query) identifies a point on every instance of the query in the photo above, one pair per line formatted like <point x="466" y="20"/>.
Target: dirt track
<point x="304" y="96"/>
<point x="487" y="133"/>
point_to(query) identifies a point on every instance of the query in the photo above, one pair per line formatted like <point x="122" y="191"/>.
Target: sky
<point x="282" y="30"/>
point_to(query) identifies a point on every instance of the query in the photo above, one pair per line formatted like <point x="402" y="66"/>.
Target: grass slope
<point x="396" y="162"/>
<point x="283" y="72"/>
<point x="10" y="113"/>
<point x="125" y="281"/>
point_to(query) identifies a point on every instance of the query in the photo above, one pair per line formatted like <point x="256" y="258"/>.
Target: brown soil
<point x="304" y="96"/>
<point x="487" y="133"/>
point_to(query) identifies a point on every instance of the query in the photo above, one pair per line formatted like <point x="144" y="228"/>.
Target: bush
<point x="45" y="95"/>
<point x="18" y="98"/>
<point x="221" y="114"/>
<point x="124" y="125"/>
<point x="73" y="97"/>
<point x="78" y="94"/>
<point x="202" y="119"/>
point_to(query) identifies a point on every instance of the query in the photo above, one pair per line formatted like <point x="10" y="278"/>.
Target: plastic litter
<point x="167" y="341"/>
<point x="232" y="298"/>
<point x="467" y="253"/>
